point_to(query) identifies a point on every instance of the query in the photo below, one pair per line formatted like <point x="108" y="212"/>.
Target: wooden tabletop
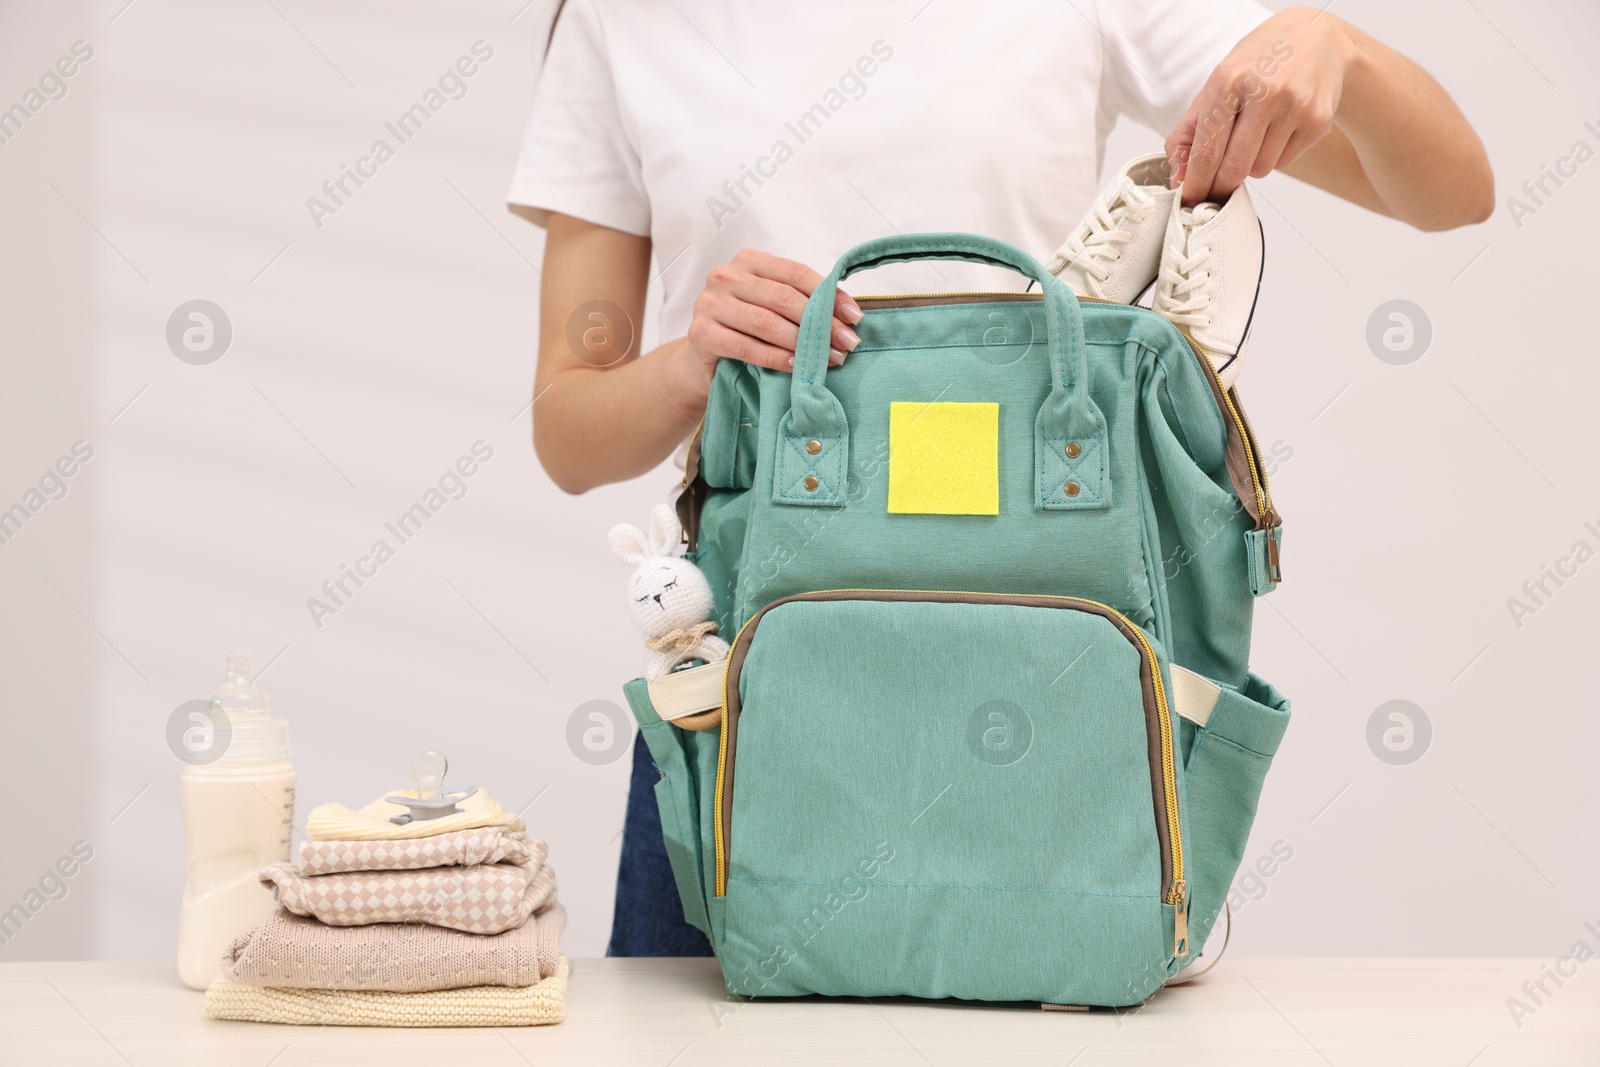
<point x="675" y="1013"/>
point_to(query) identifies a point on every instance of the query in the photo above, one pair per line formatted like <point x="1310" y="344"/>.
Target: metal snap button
<point x="1071" y="488"/>
<point x="1073" y="451"/>
<point x="811" y="483"/>
<point x="813" y="446"/>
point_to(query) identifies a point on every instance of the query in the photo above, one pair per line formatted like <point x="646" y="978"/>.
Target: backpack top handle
<point x="812" y="464"/>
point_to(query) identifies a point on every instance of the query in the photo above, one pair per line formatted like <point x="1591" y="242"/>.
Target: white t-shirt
<point x="803" y="128"/>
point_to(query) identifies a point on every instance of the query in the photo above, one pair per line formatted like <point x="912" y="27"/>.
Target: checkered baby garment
<point x="462" y="848"/>
<point x="485" y="899"/>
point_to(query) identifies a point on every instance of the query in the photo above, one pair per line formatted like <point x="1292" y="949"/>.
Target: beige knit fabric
<point x="461" y="848"/>
<point x="335" y="822"/>
<point x="289" y="951"/>
<point x="486" y="899"/>
<point x="543" y="1002"/>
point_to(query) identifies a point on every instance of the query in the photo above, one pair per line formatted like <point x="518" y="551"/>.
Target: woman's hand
<point x="1273" y="97"/>
<point x="1308" y="93"/>
<point x="750" y="311"/>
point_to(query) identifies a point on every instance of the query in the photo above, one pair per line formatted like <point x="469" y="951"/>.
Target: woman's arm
<point x="601" y="415"/>
<point x="1309" y="94"/>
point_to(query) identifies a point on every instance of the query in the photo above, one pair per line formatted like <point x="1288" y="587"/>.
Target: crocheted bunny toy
<point x="668" y="595"/>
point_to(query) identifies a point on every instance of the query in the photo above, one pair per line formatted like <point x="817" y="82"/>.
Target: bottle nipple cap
<point x="430" y="801"/>
<point x="252" y="734"/>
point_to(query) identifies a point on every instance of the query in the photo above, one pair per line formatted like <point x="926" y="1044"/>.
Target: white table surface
<point x="656" y="1013"/>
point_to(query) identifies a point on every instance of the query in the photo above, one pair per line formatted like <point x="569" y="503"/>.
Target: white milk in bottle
<point x="238" y="811"/>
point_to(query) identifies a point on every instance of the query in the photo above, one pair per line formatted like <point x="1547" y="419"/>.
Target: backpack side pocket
<point x="677" y="797"/>
<point x="1223" y="776"/>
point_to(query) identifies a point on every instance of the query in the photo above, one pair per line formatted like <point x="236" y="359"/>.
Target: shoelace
<point x="1102" y="231"/>
<point x="1180" y="294"/>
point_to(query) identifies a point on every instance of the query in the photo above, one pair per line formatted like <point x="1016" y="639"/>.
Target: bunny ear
<point x="665" y="532"/>
<point x="628" y="542"/>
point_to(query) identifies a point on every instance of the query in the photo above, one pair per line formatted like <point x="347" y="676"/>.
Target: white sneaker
<point x="1210" y="276"/>
<point x="1114" y="252"/>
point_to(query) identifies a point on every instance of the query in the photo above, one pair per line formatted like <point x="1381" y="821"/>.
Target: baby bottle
<point x="238" y="811"/>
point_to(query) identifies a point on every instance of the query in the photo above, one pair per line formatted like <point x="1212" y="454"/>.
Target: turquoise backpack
<point x="987" y="728"/>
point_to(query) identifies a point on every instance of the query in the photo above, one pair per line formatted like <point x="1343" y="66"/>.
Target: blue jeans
<point x="648" y="917"/>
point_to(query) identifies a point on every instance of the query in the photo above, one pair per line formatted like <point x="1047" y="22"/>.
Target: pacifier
<point x="431" y="802"/>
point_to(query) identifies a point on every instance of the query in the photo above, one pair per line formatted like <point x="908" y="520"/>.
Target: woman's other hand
<point x="1311" y="95"/>
<point x="750" y="311"/>
<point x="1267" y="102"/>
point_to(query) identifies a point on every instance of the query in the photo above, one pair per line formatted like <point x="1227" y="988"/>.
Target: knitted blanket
<point x="540" y="1003"/>
<point x="288" y="951"/>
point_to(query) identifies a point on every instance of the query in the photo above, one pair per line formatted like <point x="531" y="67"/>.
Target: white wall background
<point x="370" y="353"/>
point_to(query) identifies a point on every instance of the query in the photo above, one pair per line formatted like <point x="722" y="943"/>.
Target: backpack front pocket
<point x="948" y="794"/>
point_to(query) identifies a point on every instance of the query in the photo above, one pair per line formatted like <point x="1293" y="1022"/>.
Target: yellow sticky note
<point x="944" y="458"/>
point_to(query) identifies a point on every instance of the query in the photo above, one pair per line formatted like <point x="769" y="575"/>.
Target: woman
<point x="744" y="146"/>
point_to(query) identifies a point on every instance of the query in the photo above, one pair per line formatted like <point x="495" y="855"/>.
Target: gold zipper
<point x="1175" y="892"/>
<point x="692" y="490"/>
<point x="1012" y="293"/>
<point x="691" y="460"/>
<point x="1247" y="436"/>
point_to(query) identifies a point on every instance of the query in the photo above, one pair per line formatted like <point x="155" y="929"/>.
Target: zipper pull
<point x="1274" y="572"/>
<point x="1180" y="918"/>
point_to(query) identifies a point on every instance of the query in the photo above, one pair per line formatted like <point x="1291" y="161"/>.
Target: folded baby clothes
<point x="335" y="822"/>
<point x="459" y="848"/>
<point x="543" y="1002"/>
<point x="289" y="951"/>
<point x="486" y="899"/>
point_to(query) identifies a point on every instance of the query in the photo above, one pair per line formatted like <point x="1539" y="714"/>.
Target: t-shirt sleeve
<point x="1158" y="53"/>
<point x="578" y="157"/>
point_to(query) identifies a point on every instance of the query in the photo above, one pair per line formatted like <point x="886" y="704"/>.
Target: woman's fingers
<point x="1180" y="141"/>
<point x="716" y="339"/>
<point x="1312" y="120"/>
<point x="772" y="330"/>
<point x="756" y="319"/>
<point x="1302" y="139"/>
<point x="800" y="278"/>
<point x="1214" y="121"/>
<point x="1270" y="157"/>
<point x="777" y="268"/>
<point x="732" y="329"/>
<point x="782" y="287"/>
<point x="1244" y="148"/>
<point x="779" y="297"/>
<point x="789" y="302"/>
<point x="846" y="309"/>
<point x="752" y="307"/>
